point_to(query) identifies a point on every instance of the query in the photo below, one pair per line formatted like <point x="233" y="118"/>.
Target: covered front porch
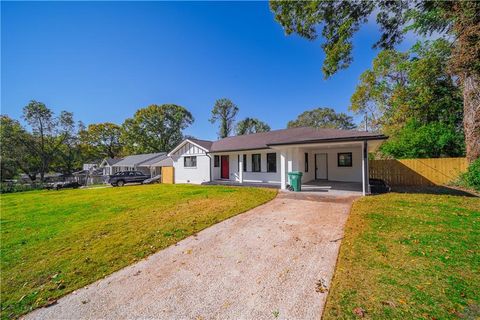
<point x="340" y="167"/>
<point x="326" y="167"/>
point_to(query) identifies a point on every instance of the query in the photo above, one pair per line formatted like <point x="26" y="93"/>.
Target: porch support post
<point x="240" y="167"/>
<point x="365" y="180"/>
<point x="283" y="169"/>
<point x="290" y="160"/>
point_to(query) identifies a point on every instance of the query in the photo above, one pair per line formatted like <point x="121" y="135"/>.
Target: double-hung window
<point x="271" y="162"/>
<point x="256" y="167"/>
<point x="344" y="159"/>
<point x="190" y="162"/>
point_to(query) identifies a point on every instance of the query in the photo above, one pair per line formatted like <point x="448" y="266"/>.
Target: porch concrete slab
<point x="243" y="184"/>
<point x="325" y="187"/>
<point x="334" y="188"/>
<point x="266" y="263"/>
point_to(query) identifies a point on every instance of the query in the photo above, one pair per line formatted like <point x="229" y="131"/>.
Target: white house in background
<point x="139" y="162"/>
<point x="92" y="165"/>
<point x="320" y="154"/>
<point x="107" y="166"/>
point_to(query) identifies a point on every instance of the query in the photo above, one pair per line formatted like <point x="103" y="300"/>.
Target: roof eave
<point x="237" y="149"/>
<point x="349" y="139"/>
<point x="152" y="158"/>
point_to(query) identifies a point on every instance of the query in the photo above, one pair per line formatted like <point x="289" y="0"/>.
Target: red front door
<point x="224" y="168"/>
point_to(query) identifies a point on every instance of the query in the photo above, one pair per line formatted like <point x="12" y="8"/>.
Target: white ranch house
<point x="107" y="166"/>
<point x="266" y="158"/>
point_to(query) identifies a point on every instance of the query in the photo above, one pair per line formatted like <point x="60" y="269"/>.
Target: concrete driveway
<point x="267" y="263"/>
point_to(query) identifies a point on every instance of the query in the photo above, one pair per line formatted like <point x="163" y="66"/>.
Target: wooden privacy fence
<point x="418" y="172"/>
<point x="167" y="175"/>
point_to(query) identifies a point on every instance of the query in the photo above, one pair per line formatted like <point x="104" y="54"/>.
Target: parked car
<point x="379" y="186"/>
<point x="121" y="178"/>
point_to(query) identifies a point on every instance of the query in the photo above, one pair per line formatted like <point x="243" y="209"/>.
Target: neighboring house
<point x="94" y="164"/>
<point x="157" y="165"/>
<point x="139" y="162"/>
<point x="107" y="165"/>
<point x="320" y="154"/>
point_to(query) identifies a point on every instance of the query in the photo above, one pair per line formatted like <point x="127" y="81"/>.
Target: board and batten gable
<point x="198" y="174"/>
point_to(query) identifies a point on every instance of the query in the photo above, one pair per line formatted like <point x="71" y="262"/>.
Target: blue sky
<point x="105" y="60"/>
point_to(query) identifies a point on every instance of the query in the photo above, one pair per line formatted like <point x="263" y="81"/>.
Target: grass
<point x="409" y="256"/>
<point x="53" y="242"/>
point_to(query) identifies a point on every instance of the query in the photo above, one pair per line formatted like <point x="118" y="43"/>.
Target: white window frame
<point x="185" y="162"/>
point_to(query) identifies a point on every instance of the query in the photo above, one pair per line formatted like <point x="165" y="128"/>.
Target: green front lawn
<point x="409" y="256"/>
<point x="53" y="242"/>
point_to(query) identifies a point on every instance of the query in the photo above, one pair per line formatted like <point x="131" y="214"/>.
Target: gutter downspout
<point x="365" y="173"/>
<point x="209" y="166"/>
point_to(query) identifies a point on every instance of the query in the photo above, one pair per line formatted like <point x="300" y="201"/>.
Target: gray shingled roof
<point x="149" y="162"/>
<point x="303" y="135"/>
<point x="290" y="136"/>
<point x="112" y="161"/>
<point x="139" y="159"/>
<point x="165" y="162"/>
<point x="202" y="143"/>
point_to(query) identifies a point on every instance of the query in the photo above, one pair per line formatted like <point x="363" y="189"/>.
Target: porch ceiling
<point x="372" y="145"/>
<point x="331" y="146"/>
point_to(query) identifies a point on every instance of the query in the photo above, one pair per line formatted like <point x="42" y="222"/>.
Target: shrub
<point x="9" y="187"/>
<point x="471" y="178"/>
<point x="432" y="140"/>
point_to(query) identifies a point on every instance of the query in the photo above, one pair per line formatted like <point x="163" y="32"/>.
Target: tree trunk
<point x="224" y="129"/>
<point x="471" y="116"/>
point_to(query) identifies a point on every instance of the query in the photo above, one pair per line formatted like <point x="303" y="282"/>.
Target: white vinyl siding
<point x="335" y="173"/>
<point x="187" y="174"/>
<point x="249" y="175"/>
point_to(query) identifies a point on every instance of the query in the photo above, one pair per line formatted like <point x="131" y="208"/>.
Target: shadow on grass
<point x="443" y="190"/>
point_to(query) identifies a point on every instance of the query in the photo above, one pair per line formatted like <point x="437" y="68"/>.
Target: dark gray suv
<point x="121" y="178"/>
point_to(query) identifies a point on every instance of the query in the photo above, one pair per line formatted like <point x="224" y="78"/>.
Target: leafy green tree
<point x="224" y="111"/>
<point x="15" y="152"/>
<point x="415" y="85"/>
<point x="251" y="125"/>
<point x="155" y="128"/>
<point x="70" y="157"/>
<point x="49" y="133"/>
<point x="457" y="21"/>
<point x="8" y="169"/>
<point x="42" y="122"/>
<point x="323" y="118"/>
<point x="103" y="139"/>
<point x="381" y="94"/>
<point x="430" y="140"/>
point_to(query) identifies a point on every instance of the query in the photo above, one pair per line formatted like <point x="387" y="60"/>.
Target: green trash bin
<point x="295" y="180"/>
